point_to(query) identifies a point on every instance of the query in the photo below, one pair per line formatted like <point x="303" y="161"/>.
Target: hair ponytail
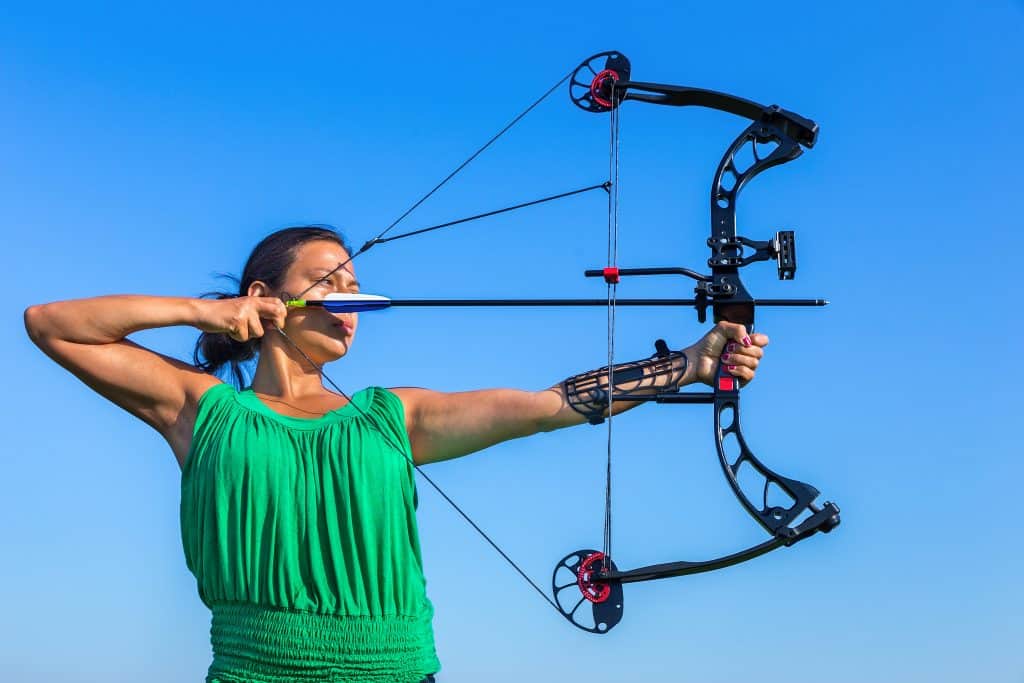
<point x="215" y="350"/>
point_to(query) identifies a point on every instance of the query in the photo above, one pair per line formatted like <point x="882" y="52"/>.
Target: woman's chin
<point x="326" y="348"/>
<point x="338" y="347"/>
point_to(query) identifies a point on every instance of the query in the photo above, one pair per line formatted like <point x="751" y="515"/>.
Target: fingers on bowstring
<point x="272" y="309"/>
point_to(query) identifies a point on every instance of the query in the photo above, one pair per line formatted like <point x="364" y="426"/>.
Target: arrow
<point x="356" y="303"/>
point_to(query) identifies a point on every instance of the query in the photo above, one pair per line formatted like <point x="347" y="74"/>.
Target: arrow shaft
<point x="584" y="302"/>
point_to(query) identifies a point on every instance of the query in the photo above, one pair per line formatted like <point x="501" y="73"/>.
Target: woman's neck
<point x="286" y="375"/>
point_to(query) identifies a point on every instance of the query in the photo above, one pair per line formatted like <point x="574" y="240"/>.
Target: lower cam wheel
<point x="582" y="597"/>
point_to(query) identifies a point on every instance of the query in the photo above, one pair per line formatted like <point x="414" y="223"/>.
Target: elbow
<point x="35" y="323"/>
<point x="548" y="411"/>
<point x="546" y="423"/>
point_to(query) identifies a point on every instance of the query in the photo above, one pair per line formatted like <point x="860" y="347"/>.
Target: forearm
<point x="584" y="397"/>
<point x="107" y="319"/>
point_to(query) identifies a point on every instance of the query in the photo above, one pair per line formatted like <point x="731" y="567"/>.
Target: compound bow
<point x="600" y="85"/>
<point x="599" y="88"/>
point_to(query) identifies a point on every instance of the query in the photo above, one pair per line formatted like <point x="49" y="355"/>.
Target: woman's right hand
<point x="241" y="318"/>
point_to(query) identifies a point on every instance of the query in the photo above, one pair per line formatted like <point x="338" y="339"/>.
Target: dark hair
<point x="268" y="262"/>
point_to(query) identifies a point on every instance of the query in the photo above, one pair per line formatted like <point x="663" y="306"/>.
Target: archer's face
<point x="324" y="336"/>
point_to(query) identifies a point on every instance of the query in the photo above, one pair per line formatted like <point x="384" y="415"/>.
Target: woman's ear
<point x="258" y="288"/>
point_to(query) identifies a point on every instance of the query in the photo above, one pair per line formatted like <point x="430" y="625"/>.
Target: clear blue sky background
<point x="145" y="149"/>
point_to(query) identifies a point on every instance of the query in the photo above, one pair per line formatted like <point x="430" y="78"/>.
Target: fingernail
<point x="731" y="346"/>
<point x="725" y="356"/>
<point x="732" y="367"/>
<point x="746" y="341"/>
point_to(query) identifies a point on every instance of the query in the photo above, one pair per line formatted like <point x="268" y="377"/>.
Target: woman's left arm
<point x="449" y="425"/>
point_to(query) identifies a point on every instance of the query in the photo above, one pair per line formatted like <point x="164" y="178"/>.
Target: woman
<point x="298" y="505"/>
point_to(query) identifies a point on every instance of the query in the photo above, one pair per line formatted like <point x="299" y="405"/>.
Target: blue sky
<point x="146" y="148"/>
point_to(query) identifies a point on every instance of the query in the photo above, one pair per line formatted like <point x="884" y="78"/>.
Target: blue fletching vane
<point x="352" y="303"/>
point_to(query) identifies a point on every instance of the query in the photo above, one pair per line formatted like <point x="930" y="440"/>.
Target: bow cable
<point x="606" y="186"/>
<point x="471" y="157"/>
<point x="408" y="456"/>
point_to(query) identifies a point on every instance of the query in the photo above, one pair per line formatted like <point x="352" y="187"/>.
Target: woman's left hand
<point x="729" y="341"/>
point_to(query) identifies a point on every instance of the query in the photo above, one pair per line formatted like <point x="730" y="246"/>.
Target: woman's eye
<point x="328" y="282"/>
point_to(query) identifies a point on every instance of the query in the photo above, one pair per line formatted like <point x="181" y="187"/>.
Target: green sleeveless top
<point x="302" y="536"/>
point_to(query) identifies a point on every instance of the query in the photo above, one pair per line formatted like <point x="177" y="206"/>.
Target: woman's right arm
<point x="88" y="338"/>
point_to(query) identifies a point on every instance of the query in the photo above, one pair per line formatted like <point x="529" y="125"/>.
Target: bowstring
<point x="613" y="259"/>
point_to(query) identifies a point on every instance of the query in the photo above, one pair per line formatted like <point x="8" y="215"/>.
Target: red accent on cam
<point x="611" y="276"/>
<point x="598" y="84"/>
<point x="594" y="592"/>
<point x="727" y="383"/>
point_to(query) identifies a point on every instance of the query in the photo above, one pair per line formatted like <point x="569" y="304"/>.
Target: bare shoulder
<point x="421" y="405"/>
<point x="412" y="399"/>
<point x="411" y="393"/>
<point x="197" y="383"/>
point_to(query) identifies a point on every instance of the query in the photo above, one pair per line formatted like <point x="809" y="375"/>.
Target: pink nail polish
<point x="725" y="356"/>
<point x="746" y="341"/>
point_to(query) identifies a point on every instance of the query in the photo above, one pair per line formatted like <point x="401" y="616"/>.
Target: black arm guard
<point x="588" y="394"/>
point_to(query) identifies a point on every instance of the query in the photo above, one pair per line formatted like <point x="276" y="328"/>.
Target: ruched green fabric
<point x="302" y="536"/>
